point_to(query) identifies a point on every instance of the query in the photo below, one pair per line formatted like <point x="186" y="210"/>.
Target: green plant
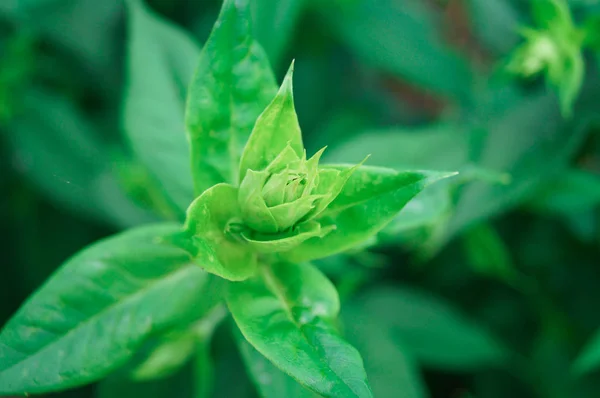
<point x="149" y="298"/>
<point x="555" y="49"/>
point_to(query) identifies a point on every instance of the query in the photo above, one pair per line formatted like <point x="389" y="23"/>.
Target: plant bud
<point x="277" y="198"/>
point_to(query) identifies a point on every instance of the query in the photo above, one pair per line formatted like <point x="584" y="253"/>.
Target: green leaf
<point x="370" y="199"/>
<point x="331" y="183"/>
<point x="233" y="84"/>
<point x="98" y="309"/>
<point x="555" y="48"/>
<point x="215" y="246"/>
<point x="427" y="212"/>
<point x="588" y="359"/>
<point x="274" y="24"/>
<point x="512" y="125"/>
<point x="571" y="79"/>
<point x="264" y="243"/>
<point x="254" y="209"/>
<point x="433" y="332"/>
<point x="392" y="370"/>
<point x="270" y="381"/>
<point x="401" y="38"/>
<point x="60" y="153"/>
<point x="276" y="128"/>
<point x="165" y="356"/>
<point x="286" y="312"/>
<point x="442" y="146"/>
<point x="160" y="64"/>
<point x="181" y="351"/>
<point x="552" y="14"/>
<point x="488" y="255"/>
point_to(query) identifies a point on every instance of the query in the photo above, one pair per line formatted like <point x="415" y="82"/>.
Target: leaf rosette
<point x="275" y="199"/>
<point x="280" y="204"/>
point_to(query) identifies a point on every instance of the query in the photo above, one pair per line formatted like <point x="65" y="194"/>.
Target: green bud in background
<point x="553" y="48"/>
<point x="539" y="52"/>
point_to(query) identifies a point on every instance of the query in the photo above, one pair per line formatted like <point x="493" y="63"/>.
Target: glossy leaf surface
<point x="287" y="314"/>
<point x="208" y="234"/>
<point x="276" y="128"/>
<point x="94" y="313"/>
<point x="232" y="85"/>
<point x="370" y="199"/>
<point x="268" y="379"/>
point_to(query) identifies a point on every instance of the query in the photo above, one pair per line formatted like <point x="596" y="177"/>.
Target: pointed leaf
<point x="232" y="85"/>
<point x="286" y="313"/>
<point x="288" y="214"/>
<point x="253" y="209"/>
<point x="276" y="128"/>
<point x="216" y="250"/>
<point x="331" y="182"/>
<point x="287" y="158"/>
<point x="95" y="312"/>
<point x="160" y="64"/>
<point x="369" y="200"/>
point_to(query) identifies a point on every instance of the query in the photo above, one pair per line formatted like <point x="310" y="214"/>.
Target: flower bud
<point x="277" y="198"/>
<point x="539" y="52"/>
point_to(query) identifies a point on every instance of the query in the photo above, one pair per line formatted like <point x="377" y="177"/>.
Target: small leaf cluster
<point x="553" y="48"/>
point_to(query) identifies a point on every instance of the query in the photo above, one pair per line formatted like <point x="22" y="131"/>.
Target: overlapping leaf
<point x="370" y="199"/>
<point x="161" y="60"/>
<point x="287" y="314"/>
<point x="232" y="85"/>
<point x="98" y="308"/>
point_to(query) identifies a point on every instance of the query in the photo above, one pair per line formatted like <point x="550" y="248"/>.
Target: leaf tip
<point x="287" y="84"/>
<point x="435" y="176"/>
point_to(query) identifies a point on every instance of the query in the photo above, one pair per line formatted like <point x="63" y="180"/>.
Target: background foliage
<point x="485" y="285"/>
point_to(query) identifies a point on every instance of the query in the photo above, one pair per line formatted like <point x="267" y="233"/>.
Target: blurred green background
<point x="510" y="248"/>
